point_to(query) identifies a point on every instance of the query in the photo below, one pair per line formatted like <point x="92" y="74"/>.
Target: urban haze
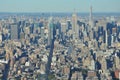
<point x="59" y="40"/>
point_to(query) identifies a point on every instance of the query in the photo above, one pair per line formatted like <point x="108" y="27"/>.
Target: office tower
<point x="58" y="30"/>
<point x="63" y="29"/>
<point x="118" y="29"/>
<point x="27" y="30"/>
<point x="36" y="28"/>
<point x="109" y="40"/>
<point x="69" y="24"/>
<point x="112" y="18"/>
<point x="14" y="31"/>
<point x="106" y="38"/>
<point x="75" y="28"/>
<point x="118" y="38"/>
<point x="92" y="64"/>
<point x="42" y="32"/>
<point x="31" y="28"/>
<point x="1" y="37"/>
<point x="104" y="64"/>
<point x="50" y="30"/>
<point x="117" y="61"/>
<point x="22" y="35"/>
<point x="91" y="35"/>
<point x="91" y="18"/>
<point x="112" y="39"/>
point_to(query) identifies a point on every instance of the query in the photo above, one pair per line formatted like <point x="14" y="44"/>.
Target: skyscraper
<point x="63" y="29"/>
<point x="106" y="38"/>
<point x="75" y="28"/>
<point x="14" y="31"/>
<point x="1" y="37"/>
<point x="42" y="32"/>
<point x="116" y="61"/>
<point x="50" y="30"/>
<point x="91" y="18"/>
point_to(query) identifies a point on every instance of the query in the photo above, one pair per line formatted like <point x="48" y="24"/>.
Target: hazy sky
<point x="59" y="5"/>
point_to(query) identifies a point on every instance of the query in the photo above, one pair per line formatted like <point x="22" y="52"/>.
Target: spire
<point x="91" y="17"/>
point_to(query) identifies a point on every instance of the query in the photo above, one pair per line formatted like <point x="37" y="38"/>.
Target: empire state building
<point x="75" y="28"/>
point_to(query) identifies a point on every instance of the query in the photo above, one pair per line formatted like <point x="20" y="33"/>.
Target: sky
<point x="59" y="5"/>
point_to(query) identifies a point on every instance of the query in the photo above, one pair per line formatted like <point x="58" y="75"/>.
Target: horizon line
<point x="59" y="12"/>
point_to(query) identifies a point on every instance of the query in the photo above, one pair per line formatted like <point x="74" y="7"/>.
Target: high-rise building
<point x="14" y="31"/>
<point x="22" y="35"/>
<point x="75" y="28"/>
<point x="42" y="32"/>
<point x="106" y="38"/>
<point x="1" y="37"/>
<point x="50" y="30"/>
<point x="104" y="64"/>
<point x="92" y="64"/>
<point x="63" y="29"/>
<point x="117" y="61"/>
<point x="36" y="28"/>
<point x="91" y="18"/>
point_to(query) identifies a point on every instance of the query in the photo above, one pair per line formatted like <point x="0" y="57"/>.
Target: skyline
<point x="59" y="6"/>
